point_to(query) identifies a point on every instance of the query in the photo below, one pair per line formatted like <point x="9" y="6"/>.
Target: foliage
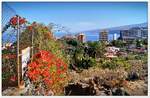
<point x="9" y="72"/>
<point x="96" y="49"/>
<point x="79" y="60"/>
<point x="130" y="56"/>
<point x="139" y="43"/>
<point x="110" y="64"/>
<point x="51" y="55"/>
<point x="145" y="58"/>
<point x="123" y="63"/>
<point x="142" y="57"/>
<point x="86" y="62"/>
<point x="145" y="41"/>
<point x="118" y="43"/>
<point x="73" y="42"/>
<point x="78" y="55"/>
<point x="42" y="40"/>
<point x="47" y="69"/>
<point x="115" y="63"/>
<point x="135" y="56"/>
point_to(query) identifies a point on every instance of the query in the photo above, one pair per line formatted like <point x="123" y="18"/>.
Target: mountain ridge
<point x="145" y="24"/>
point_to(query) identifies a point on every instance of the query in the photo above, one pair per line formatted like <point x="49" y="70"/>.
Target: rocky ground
<point x="100" y="87"/>
<point x="106" y="83"/>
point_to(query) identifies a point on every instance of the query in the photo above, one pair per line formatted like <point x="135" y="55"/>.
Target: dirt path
<point x="12" y="91"/>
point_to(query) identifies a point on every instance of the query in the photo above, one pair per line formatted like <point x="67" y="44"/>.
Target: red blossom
<point x="14" y="21"/>
<point x="13" y="78"/>
<point x="29" y="28"/>
<point x="9" y="56"/>
<point x="47" y="67"/>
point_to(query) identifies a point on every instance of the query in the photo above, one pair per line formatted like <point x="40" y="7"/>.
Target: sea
<point x="90" y="36"/>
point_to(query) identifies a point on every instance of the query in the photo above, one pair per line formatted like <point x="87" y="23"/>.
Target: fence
<point x="12" y="26"/>
<point x="9" y="34"/>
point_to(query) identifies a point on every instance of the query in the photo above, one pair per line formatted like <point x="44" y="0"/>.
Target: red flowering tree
<point x="46" y="68"/>
<point x="14" y="21"/>
<point x="50" y="69"/>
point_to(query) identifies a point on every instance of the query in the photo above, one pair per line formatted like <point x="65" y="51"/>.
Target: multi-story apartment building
<point x="134" y="33"/>
<point x="103" y="36"/>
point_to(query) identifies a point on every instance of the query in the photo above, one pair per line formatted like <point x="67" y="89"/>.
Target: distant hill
<point x="118" y="28"/>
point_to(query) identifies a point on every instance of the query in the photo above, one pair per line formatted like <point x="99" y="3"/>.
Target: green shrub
<point x="86" y="62"/>
<point x="126" y="65"/>
<point x="72" y="42"/>
<point x="130" y="57"/>
<point x="123" y="63"/>
<point x="114" y="63"/>
<point x="138" y="57"/>
<point x="110" y="64"/>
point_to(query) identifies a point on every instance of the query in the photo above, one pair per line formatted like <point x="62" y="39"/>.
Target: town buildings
<point x="103" y="36"/>
<point x="111" y="52"/>
<point x="114" y="36"/>
<point x="134" y="33"/>
<point x="81" y="37"/>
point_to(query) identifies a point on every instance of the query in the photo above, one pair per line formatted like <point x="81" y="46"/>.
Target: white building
<point x="112" y="49"/>
<point x="81" y="37"/>
<point x="115" y="36"/>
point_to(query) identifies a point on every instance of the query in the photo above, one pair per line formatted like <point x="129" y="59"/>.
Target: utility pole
<point x="32" y="31"/>
<point x="18" y="54"/>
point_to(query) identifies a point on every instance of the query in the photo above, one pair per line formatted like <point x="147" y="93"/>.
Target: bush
<point x="114" y="63"/>
<point x="145" y="59"/>
<point x="118" y="43"/>
<point x="85" y="62"/>
<point x="123" y="63"/>
<point x="142" y="57"/>
<point x="9" y="72"/>
<point x="110" y="64"/>
<point x="47" y="70"/>
<point x="96" y="49"/>
<point x="130" y="57"/>
<point x="137" y="57"/>
<point x="73" y="42"/>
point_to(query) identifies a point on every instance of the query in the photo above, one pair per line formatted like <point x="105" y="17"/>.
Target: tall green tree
<point x="97" y="49"/>
<point x="118" y="43"/>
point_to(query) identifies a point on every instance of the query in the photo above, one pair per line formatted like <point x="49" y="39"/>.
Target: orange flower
<point x="29" y="28"/>
<point x="14" y="21"/>
<point x="46" y="67"/>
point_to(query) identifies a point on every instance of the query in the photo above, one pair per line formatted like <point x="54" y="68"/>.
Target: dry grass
<point x="136" y="87"/>
<point x="108" y="74"/>
<point x="113" y="79"/>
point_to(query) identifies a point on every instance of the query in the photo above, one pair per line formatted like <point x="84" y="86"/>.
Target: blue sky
<point x="83" y="16"/>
